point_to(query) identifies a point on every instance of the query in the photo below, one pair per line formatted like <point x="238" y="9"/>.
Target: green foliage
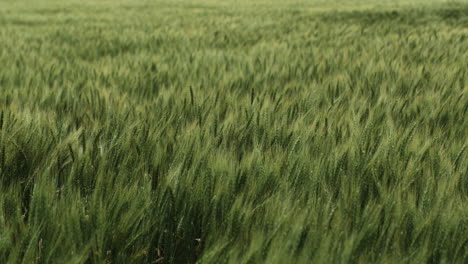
<point x="230" y="132"/>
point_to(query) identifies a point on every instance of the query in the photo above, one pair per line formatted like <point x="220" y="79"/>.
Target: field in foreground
<point x="233" y="132"/>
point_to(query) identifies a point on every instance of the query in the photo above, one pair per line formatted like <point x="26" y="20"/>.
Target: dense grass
<point x="233" y="132"/>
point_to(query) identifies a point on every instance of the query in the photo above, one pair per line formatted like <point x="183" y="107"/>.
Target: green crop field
<point x="224" y="131"/>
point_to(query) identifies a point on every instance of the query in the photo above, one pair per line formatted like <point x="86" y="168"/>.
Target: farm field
<point x="233" y="131"/>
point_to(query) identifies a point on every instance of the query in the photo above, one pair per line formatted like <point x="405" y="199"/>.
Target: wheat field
<point x="260" y="131"/>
